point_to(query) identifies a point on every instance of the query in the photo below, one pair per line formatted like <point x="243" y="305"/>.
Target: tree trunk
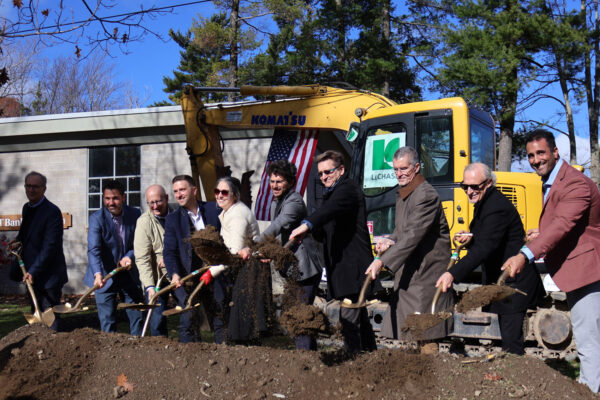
<point x="341" y="40"/>
<point x="386" y="37"/>
<point x="507" y="126"/>
<point x="591" y="90"/>
<point x="234" y="50"/>
<point x="561" y="68"/>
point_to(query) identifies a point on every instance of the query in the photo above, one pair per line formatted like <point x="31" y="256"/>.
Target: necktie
<point x="119" y="227"/>
<point x="545" y="188"/>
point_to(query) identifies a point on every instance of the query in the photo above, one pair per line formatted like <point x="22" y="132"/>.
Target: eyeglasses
<point x="327" y="172"/>
<point x="224" y="192"/>
<point x="474" y="187"/>
<point x="155" y="202"/>
<point x="27" y="186"/>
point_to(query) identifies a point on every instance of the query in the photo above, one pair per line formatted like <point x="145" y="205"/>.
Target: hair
<point x="113" y="184"/>
<point x="285" y="169"/>
<point x="335" y="156"/>
<point x="407" y="151"/>
<point x="485" y="169"/>
<point x="233" y="183"/>
<point x="538" y="134"/>
<point x="186" y="178"/>
<point x="35" y="173"/>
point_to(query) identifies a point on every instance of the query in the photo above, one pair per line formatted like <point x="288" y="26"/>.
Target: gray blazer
<point x="286" y="214"/>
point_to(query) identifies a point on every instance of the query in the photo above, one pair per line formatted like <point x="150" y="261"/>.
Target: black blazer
<point x="177" y="252"/>
<point x="347" y="245"/>
<point x="41" y="234"/>
<point x="497" y="235"/>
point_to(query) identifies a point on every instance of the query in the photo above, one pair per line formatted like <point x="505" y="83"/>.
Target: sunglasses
<point x="327" y="172"/>
<point x="475" y="187"/>
<point x="224" y="192"/>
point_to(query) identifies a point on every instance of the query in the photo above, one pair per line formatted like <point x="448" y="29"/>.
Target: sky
<point x="148" y="61"/>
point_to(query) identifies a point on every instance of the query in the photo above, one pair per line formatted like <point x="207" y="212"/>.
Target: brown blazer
<point x="419" y="256"/>
<point x="569" y="238"/>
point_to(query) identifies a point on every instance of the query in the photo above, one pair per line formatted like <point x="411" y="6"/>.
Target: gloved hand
<point x="212" y="272"/>
<point x="206" y="277"/>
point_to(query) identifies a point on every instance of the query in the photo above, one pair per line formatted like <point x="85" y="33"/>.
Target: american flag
<point x="298" y="147"/>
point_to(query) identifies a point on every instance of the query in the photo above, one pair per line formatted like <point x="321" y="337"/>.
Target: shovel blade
<point x="63" y="308"/>
<point x="48" y="317"/>
<point x="33" y="319"/>
<point x="136" y="306"/>
<point x="175" y="311"/>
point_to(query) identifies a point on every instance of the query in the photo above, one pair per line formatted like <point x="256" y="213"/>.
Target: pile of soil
<point x="283" y="259"/>
<point x="209" y="246"/>
<point x="306" y="320"/>
<point x="417" y="324"/>
<point x="482" y="296"/>
<point x="36" y="363"/>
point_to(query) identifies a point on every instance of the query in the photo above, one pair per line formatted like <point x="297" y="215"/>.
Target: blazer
<point x="41" y="235"/>
<point x="569" y="238"/>
<point x="287" y="213"/>
<point x="347" y="245"/>
<point x="497" y="235"/>
<point x="104" y="251"/>
<point x="177" y="251"/>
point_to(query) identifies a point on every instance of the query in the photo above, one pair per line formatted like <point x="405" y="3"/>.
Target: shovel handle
<point x="172" y="286"/>
<point x="16" y="250"/>
<point x="193" y="295"/>
<point x="96" y="286"/>
<point x="453" y="259"/>
<point x="503" y="277"/>
<point x="363" y="290"/>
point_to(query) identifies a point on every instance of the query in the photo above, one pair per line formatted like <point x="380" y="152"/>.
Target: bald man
<point x="148" y="249"/>
<point x="497" y="234"/>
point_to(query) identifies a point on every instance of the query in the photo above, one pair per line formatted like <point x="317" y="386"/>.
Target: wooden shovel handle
<point x="172" y="286"/>
<point x="16" y="250"/>
<point x="502" y="279"/>
<point x="455" y="254"/>
<point x="96" y="286"/>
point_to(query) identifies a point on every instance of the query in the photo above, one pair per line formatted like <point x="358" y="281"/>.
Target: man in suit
<point x="148" y="250"/>
<point x="41" y="235"/>
<point x="418" y="250"/>
<point x="347" y="246"/>
<point x="568" y="239"/>
<point x="110" y="245"/>
<point x="180" y="260"/>
<point x="497" y="234"/>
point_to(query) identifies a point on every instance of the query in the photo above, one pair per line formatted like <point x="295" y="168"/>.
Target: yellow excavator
<point x="367" y="128"/>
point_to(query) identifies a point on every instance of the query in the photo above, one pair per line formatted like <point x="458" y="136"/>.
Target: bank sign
<point x="379" y="153"/>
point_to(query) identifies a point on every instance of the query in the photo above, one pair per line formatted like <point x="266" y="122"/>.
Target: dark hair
<point x="285" y="169"/>
<point x="113" y="184"/>
<point x="186" y="178"/>
<point x="538" y="134"/>
<point x="35" y="173"/>
<point x="335" y="156"/>
<point x="233" y="183"/>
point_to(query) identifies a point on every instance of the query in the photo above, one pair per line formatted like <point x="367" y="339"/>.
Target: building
<point x="77" y="151"/>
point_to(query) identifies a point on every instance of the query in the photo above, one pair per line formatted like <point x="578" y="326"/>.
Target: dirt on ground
<point x="36" y="363"/>
<point x="482" y="296"/>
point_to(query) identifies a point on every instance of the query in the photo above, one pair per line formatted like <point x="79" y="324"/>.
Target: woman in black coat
<point x="497" y="235"/>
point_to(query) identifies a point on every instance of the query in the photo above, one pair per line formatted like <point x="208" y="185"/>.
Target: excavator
<point x="368" y="128"/>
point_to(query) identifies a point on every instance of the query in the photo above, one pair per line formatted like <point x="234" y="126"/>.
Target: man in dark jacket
<point x="347" y="246"/>
<point x="180" y="259"/>
<point x="41" y="235"/>
<point x="497" y="234"/>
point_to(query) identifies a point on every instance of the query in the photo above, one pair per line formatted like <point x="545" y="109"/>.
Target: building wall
<point x="67" y="173"/>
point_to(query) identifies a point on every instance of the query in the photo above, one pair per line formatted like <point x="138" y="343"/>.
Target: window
<point x="482" y="143"/>
<point x="434" y="137"/>
<point x="120" y="163"/>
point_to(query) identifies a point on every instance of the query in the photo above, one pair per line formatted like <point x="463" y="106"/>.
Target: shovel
<point x="346" y="303"/>
<point x="67" y="308"/>
<point x="188" y="305"/>
<point x="47" y="317"/>
<point x="418" y="323"/>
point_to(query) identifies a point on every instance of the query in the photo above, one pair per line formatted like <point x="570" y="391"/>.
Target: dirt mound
<point x="417" y="324"/>
<point x="483" y="295"/>
<point x="36" y="363"/>
<point x="209" y="246"/>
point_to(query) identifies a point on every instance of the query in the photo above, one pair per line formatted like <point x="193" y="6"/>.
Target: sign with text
<point x="13" y="222"/>
<point x="379" y="153"/>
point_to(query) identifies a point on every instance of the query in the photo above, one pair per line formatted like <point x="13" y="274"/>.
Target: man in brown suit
<point x="568" y="239"/>
<point x="418" y="250"/>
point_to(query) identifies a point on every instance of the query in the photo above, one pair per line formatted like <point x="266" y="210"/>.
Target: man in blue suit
<point x="41" y="235"/>
<point x="180" y="259"/>
<point x="110" y="245"/>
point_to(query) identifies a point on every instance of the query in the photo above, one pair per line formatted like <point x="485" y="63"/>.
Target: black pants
<point x="356" y="329"/>
<point x="511" y="330"/>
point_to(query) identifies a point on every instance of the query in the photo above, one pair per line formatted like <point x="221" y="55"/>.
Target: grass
<point x="567" y="368"/>
<point x="11" y="318"/>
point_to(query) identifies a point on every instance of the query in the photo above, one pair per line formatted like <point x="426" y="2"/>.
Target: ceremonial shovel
<point x="47" y="317"/>
<point x="67" y="308"/>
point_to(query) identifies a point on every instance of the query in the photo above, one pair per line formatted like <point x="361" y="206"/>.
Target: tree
<point x="485" y="53"/>
<point x="19" y="62"/>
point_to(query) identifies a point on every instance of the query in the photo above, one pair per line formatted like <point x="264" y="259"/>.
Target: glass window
<point x="120" y="163"/>
<point x="483" y="145"/>
<point x="434" y="138"/>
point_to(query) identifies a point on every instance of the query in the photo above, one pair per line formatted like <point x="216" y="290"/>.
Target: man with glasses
<point x="418" y="250"/>
<point x="41" y="237"/>
<point x="568" y="239"/>
<point x="148" y="249"/>
<point x="347" y="246"/>
<point x="497" y="234"/>
<point x="180" y="259"/>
